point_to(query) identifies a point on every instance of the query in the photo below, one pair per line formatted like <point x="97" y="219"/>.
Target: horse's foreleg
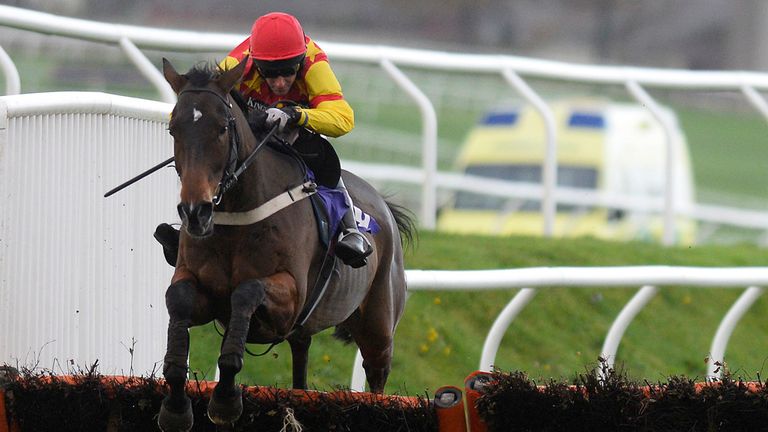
<point x="299" y="359"/>
<point x="226" y="404"/>
<point x="176" y="410"/>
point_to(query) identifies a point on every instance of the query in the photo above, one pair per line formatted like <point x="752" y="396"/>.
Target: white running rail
<point x="81" y="278"/>
<point x="649" y="278"/>
<point x="133" y="38"/>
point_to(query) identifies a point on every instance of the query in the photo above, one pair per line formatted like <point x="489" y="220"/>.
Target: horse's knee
<point x="180" y="299"/>
<point x="247" y="297"/>
<point x="180" y="302"/>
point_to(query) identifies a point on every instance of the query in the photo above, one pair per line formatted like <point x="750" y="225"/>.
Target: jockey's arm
<point x="329" y="114"/>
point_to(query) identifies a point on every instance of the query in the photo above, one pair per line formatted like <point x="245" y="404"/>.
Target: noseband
<point x="232" y="171"/>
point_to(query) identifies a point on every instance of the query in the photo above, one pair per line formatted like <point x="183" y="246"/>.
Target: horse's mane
<point x="203" y="73"/>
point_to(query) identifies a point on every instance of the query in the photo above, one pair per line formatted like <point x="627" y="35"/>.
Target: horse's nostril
<point x="205" y="212"/>
<point x="183" y="209"/>
<point x="196" y="215"/>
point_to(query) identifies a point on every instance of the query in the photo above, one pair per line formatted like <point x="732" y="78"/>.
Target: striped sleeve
<point x="234" y="56"/>
<point x="328" y="113"/>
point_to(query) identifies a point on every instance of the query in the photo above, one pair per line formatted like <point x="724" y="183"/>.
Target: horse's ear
<point x="176" y="80"/>
<point x="230" y="77"/>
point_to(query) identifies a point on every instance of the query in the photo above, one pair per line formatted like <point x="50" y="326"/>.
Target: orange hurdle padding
<point x="310" y="396"/>
<point x="4" y="426"/>
<point x="449" y="406"/>
<point x="205" y="388"/>
<point x="474" y="386"/>
<point x="5" y="422"/>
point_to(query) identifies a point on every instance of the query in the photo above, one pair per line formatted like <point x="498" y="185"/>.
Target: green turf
<point x="561" y="331"/>
<point x="729" y="152"/>
<point x="558" y="334"/>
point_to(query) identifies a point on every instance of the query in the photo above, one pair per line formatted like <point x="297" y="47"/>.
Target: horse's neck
<point x="269" y="175"/>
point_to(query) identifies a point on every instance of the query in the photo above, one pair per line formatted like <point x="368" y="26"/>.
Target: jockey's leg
<point x="168" y="237"/>
<point x="352" y="246"/>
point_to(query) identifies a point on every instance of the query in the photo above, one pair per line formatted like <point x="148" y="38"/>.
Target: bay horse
<point x="256" y="279"/>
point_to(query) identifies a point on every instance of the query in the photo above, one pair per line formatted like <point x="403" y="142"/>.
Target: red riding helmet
<point x="277" y="40"/>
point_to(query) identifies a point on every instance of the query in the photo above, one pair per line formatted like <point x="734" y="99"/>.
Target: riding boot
<point x="168" y="237"/>
<point x="352" y="246"/>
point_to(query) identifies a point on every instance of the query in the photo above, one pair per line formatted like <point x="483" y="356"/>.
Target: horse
<point x="257" y="280"/>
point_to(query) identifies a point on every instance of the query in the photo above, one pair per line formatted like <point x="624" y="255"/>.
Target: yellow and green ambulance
<point x="606" y="149"/>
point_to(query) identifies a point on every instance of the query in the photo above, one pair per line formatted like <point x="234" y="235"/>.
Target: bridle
<point x="232" y="171"/>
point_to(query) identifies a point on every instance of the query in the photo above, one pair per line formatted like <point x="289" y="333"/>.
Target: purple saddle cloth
<point x="336" y="207"/>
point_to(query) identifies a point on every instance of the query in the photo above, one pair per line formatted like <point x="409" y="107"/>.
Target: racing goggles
<point x="279" y="72"/>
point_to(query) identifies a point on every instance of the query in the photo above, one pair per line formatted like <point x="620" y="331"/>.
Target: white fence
<point x="78" y="278"/>
<point x="81" y="278"/>
<point x="511" y="68"/>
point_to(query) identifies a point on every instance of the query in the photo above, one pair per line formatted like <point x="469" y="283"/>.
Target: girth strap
<point x="267" y="209"/>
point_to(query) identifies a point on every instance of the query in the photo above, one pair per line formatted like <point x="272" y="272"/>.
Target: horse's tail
<point x="405" y="223"/>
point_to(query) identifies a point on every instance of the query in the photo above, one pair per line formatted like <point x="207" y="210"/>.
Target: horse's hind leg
<point x="375" y="341"/>
<point x="176" y="410"/>
<point x="226" y="403"/>
<point x="377" y="361"/>
<point x="299" y="358"/>
<point x="373" y="327"/>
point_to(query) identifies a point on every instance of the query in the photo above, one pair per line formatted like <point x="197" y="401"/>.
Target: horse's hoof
<point x="170" y="420"/>
<point x="225" y="410"/>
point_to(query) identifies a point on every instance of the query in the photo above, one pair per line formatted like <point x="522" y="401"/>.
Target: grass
<point x="729" y="152"/>
<point x="561" y="331"/>
<point x="558" y="335"/>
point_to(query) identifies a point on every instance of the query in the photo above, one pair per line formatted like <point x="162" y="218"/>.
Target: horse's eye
<point x="223" y="130"/>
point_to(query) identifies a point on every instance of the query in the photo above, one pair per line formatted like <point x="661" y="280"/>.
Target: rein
<point x="232" y="172"/>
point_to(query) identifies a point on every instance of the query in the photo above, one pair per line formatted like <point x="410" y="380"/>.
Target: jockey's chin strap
<point x="232" y="172"/>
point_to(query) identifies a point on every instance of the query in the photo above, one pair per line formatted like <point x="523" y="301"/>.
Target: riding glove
<point x="284" y="117"/>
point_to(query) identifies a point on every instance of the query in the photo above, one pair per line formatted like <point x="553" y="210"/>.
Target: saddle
<point x="321" y="164"/>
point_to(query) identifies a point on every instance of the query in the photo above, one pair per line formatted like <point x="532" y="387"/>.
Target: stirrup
<point x="353" y="255"/>
<point x="168" y="237"/>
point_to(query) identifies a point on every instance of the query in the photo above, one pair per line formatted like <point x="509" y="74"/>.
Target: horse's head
<point x="205" y="139"/>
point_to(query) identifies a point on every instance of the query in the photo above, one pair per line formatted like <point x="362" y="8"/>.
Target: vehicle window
<point x="576" y="177"/>
<point x="586" y="120"/>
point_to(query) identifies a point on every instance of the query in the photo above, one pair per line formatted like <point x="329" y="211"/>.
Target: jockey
<point x="286" y="65"/>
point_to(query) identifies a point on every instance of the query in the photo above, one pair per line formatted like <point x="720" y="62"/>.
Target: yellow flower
<point x="687" y="299"/>
<point x="326" y="358"/>
<point x="423" y="348"/>
<point x="432" y="334"/>
<point x="437" y="300"/>
<point x="447" y="351"/>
